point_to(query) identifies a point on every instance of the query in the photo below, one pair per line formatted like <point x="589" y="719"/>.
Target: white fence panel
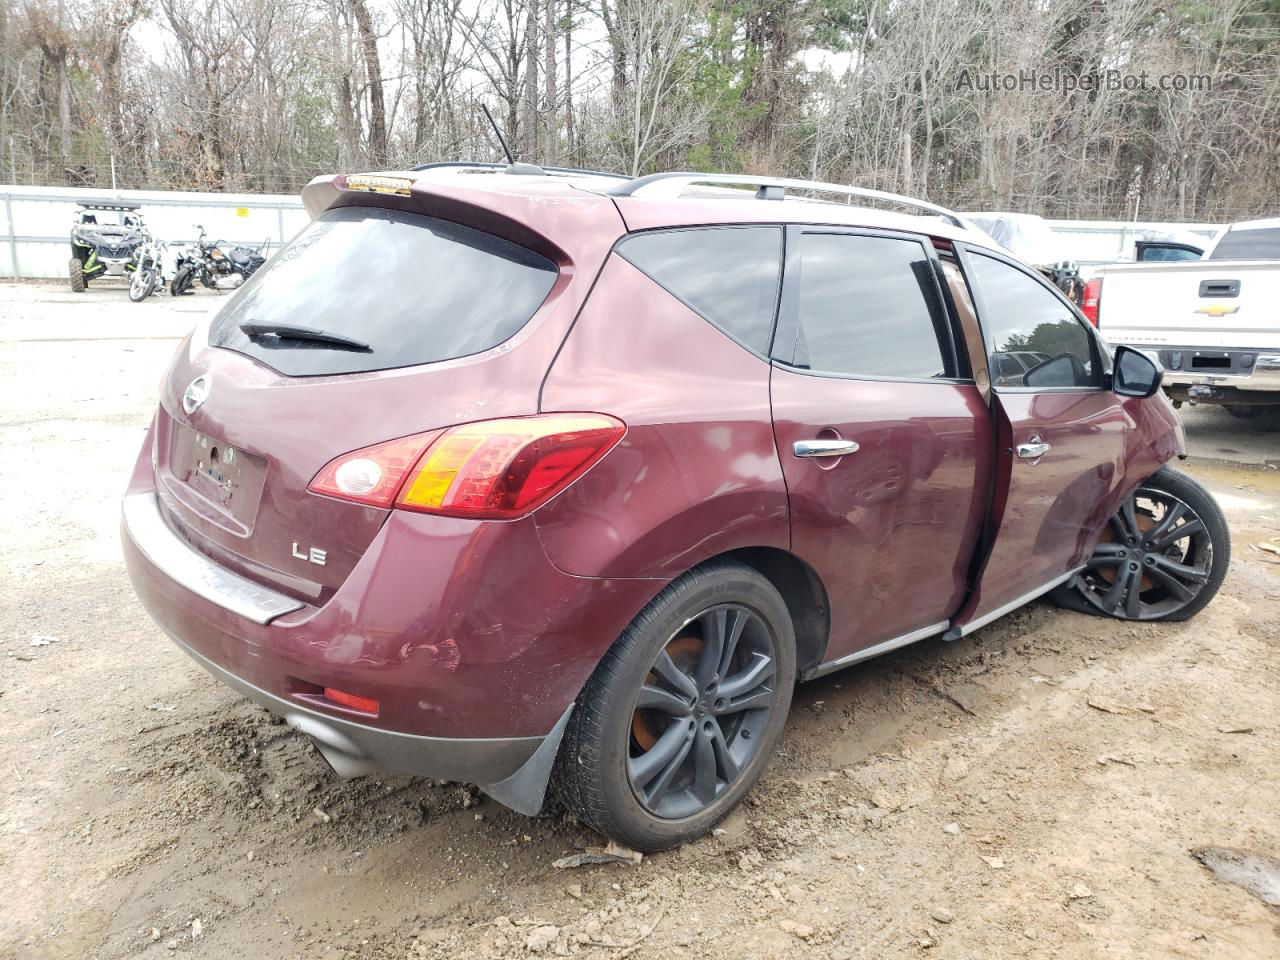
<point x="37" y="222"/>
<point x="1106" y="241"/>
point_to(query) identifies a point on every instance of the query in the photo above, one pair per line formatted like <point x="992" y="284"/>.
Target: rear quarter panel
<point x="697" y="473"/>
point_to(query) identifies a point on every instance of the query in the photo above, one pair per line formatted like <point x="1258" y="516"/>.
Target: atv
<point x="105" y="241"/>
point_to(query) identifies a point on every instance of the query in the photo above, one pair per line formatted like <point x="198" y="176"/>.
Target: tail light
<point x="494" y="469"/>
<point x="1090" y="300"/>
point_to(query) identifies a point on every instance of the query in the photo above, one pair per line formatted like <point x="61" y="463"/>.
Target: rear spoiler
<point x="524" y="219"/>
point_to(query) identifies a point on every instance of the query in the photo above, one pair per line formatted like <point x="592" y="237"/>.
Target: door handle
<point x="824" y="448"/>
<point x="1033" y="449"/>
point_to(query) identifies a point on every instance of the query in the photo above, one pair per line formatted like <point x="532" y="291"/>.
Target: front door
<point x="885" y="447"/>
<point x="1059" y="436"/>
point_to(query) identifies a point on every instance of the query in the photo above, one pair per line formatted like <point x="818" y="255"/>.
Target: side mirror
<point x="1134" y="374"/>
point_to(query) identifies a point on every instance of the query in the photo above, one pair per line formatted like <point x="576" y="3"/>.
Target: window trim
<point x="787" y="319"/>
<point x="965" y="252"/>
<point x="704" y="227"/>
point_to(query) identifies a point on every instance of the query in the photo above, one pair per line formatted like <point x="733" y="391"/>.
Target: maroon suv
<point x="558" y="479"/>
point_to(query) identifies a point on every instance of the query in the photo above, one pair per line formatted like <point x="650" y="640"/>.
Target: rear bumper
<point x="1247" y="371"/>
<point x="474" y="645"/>
<point x="353" y="749"/>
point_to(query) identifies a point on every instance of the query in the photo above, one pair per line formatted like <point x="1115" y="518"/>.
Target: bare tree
<point x="377" y="152"/>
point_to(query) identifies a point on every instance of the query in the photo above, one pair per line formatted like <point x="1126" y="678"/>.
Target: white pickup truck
<point x="1213" y="323"/>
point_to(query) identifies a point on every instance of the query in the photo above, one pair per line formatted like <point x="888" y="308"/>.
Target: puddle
<point x="1260" y="477"/>
<point x="1258" y="874"/>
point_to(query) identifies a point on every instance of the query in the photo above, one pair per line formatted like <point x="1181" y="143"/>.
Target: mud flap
<point x="526" y="789"/>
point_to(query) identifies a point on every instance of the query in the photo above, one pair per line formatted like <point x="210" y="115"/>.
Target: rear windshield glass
<point x="388" y="288"/>
<point x="1248" y="245"/>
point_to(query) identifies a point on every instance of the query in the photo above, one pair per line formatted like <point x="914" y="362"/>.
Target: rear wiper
<point x="287" y="331"/>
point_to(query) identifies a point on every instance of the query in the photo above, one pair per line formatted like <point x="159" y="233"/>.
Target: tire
<point x="1264" y="419"/>
<point x="601" y="772"/>
<point x="75" y="270"/>
<point x="1174" y="578"/>
<point x="181" y="282"/>
<point x="142" y="284"/>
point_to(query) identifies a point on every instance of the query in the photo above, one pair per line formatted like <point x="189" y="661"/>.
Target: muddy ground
<point x="1035" y="790"/>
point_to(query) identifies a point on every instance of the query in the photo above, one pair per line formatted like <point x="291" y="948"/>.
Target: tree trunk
<point x="373" y="70"/>
<point x="551" y="152"/>
<point x="64" y="108"/>
<point x="570" y="140"/>
<point x="529" y="125"/>
<point x="348" y="143"/>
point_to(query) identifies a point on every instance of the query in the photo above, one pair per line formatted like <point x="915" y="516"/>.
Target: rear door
<point x="884" y="439"/>
<point x="1059" y="435"/>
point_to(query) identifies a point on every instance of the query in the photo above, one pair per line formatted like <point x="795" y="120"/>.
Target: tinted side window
<point x="729" y="275"/>
<point x="1033" y="338"/>
<point x="1257" y="244"/>
<point x="865" y="306"/>
<point x="1168" y="254"/>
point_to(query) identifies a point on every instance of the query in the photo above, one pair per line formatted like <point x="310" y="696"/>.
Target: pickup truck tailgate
<point x="1214" y="304"/>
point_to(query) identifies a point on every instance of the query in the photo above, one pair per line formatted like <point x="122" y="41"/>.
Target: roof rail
<point x="480" y="165"/>
<point x="772" y="188"/>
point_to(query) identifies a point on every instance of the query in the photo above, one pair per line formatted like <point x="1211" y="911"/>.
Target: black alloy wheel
<point x="1163" y="555"/>
<point x="699" y="716"/>
<point x="682" y="713"/>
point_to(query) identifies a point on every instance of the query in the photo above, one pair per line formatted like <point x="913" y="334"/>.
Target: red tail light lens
<point x="500" y="469"/>
<point x="375" y="474"/>
<point x="494" y="469"/>
<point x="1092" y="297"/>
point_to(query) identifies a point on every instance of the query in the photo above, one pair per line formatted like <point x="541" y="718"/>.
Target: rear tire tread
<point x="574" y="784"/>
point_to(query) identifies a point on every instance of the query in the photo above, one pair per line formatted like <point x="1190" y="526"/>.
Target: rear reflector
<point x="365" y="704"/>
<point x="1092" y="297"/>
<point x="494" y="469"/>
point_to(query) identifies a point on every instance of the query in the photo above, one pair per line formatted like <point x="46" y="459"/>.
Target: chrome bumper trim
<point x="1265" y="376"/>
<point x="177" y="560"/>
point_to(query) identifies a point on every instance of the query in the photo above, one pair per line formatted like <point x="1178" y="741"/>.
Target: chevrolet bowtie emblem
<point x="1218" y="311"/>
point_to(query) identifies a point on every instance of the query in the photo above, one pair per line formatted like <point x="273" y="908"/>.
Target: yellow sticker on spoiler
<point x="399" y="186"/>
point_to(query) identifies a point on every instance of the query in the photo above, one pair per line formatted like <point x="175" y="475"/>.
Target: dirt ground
<point x="1034" y="790"/>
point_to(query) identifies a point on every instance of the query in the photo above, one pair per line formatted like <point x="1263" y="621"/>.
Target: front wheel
<point x="181" y="282"/>
<point x="681" y="716"/>
<point x="142" y="284"/>
<point x="75" y="271"/>
<point x="1163" y="555"/>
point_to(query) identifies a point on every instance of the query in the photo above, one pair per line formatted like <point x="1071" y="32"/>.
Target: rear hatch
<point x="383" y="318"/>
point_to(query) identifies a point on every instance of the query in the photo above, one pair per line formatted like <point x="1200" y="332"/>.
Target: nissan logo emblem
<point x="197" y="392"/>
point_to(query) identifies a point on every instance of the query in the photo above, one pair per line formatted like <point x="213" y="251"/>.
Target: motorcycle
<point x="217" y="268"/>
<point x="148" y="271"/>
